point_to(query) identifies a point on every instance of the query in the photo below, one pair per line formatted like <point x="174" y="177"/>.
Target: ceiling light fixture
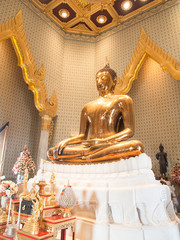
<point x="64" y="13"/>
<point x="101" y="19"/>
<point x="126" y="5"/>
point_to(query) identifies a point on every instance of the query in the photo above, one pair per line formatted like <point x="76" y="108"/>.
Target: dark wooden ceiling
<point x="83" y="16"/>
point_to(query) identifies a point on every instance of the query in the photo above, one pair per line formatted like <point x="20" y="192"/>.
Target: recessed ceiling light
<point x="126" y="5"/>
<point x="64" y="13"/>
<point x="101" y="19"/>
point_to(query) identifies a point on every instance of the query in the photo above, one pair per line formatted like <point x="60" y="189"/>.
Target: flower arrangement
<point x="8" y="188"/>
<point x="67" y="197"/>
<point x="63" y="190"/>
<point x="24" y="161"/>
<point x="176" y="172"/>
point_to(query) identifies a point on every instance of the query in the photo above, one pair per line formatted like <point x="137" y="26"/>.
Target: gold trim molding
<point x="146" y="48"/>
<point x="14" y="30"/>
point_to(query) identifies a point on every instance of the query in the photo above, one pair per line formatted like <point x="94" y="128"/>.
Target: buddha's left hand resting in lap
<point x="106" y="125"/>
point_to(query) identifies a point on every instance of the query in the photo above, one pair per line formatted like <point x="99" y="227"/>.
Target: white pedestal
<point x="118" y="200"/>
<point x="164" y="232"/>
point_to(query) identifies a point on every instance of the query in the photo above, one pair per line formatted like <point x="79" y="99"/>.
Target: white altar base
<point x="118" y="200"/>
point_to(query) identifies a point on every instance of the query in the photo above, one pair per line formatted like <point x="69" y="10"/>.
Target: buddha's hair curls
<point x="110" y="71"/>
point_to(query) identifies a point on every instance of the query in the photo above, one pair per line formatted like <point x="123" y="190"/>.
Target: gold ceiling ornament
<point x="146" y="48"/>
<point x="85" y="3"/>
<point x="14" y="30"/>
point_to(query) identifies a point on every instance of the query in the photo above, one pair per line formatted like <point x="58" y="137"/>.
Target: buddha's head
<point x="106" y="79"/>
<point x="161" y="148"/>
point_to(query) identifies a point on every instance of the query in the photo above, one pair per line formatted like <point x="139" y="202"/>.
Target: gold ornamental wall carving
<point x="146" y="48"/>
<point x="34" y="77"/>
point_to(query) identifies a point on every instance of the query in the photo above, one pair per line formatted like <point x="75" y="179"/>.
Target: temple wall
<point x="17" y="103"/>
<point x="70" y="67"/>
<point x="76" y="88"/>
<point x="155" y="93"/>
<point x="17" y="107"/>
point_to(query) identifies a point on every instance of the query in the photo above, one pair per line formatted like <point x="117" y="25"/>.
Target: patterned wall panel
<point x="77" y="87"/>
<point x="157" y="108"/>
<point x="156" y="94"/>
<point x="47" y="47"/>
<point x="17" y="107"/>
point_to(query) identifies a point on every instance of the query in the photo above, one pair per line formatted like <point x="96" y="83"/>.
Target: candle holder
<point x="41" y="184"/>
<point x="10" y="230"/>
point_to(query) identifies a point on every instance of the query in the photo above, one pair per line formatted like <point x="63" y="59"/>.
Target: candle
<point x="19" y="213"/>
<point x="9" y="210"/>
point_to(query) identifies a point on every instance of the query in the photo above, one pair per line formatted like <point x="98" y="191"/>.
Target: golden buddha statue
<point x="106" y="125"/>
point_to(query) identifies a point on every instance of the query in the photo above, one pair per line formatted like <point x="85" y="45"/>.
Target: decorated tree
<point x="176" y="172"/>
<point x="24" y="161"/>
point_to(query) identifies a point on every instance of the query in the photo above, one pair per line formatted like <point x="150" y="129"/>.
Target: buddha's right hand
<point x="60" y="146"/>
<point x="52" y="153"/>
<point x="57" y="150"/>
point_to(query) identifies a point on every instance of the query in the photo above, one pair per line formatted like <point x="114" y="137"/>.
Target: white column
<point x="44" y="137"/>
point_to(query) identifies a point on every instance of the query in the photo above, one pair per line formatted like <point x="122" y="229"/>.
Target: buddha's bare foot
<point x="113" y="151"/>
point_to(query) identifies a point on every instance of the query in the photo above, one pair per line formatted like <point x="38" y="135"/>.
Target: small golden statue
<point x="106" y="125"/>
<point x="32" y="224"/>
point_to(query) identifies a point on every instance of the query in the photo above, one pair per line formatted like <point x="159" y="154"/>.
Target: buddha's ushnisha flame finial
<point x="107" y="62"/>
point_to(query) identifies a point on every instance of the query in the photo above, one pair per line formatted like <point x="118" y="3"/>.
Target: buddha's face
<point x="104" y="81"/>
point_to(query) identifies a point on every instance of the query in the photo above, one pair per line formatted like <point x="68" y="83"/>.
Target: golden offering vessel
<point x="106" y="125"/>
<point x="42" y="183"/>
<point x="67" y="212"/>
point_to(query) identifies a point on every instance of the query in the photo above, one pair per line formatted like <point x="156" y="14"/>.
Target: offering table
<point x="2" y="237"/>
<point x="56" y="223"/>
<point x="42" y="235"/>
